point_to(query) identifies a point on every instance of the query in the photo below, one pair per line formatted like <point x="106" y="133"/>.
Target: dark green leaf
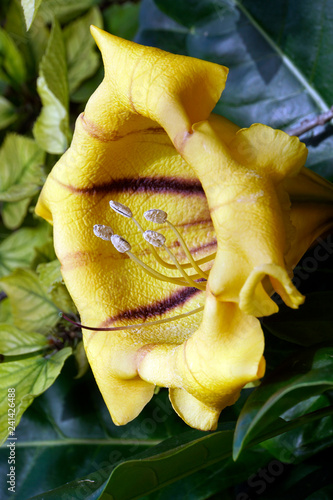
<point x="268" y="81"/>
<point x="308" y="325"/>
<point x="307" y="375"/>
<point x="12" y="67"/>
<point x="7" y="113"/>
<point x="67" y="433"/>
<point x="122" y="20"/>
<point x="191" y="13"/>
<point x="306" y="440"/>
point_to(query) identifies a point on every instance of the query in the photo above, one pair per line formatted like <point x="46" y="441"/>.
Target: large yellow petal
<point x="147" y="140"/>
<point x="120" y="154"/>
<point x="207" y="372"/>
<point x="249" y="209"/>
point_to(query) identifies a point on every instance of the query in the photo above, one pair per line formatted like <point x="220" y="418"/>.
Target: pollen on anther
<point x="156" y="215"/>
<point x="154" y="238"/>
<point x="121" y="209"/>
<point x="103" y="232"/>
<point x="120" y="243"/>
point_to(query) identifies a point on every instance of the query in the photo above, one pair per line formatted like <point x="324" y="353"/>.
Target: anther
<point x="154" y="238"/>
<point x="156" y="215"/>
<point x="121" y="209"/>
<point x="120" y="243"/>
<point x="103" y="232"/>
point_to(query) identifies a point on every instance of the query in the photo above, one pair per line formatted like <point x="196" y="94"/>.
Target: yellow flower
<point x="148" y="140"/>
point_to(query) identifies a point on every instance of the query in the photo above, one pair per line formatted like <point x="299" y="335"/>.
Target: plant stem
<point x="307" y="125"/>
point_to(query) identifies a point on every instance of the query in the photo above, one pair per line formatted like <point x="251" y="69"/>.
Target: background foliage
<point x="280" y="56"/>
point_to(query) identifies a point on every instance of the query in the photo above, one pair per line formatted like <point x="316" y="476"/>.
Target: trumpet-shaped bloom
<point x="147" y="140"/>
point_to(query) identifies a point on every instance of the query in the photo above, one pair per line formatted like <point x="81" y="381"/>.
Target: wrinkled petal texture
<point x="148" y="139"/>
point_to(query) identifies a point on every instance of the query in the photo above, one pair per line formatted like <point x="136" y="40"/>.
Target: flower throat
<point x="198" y="279"/>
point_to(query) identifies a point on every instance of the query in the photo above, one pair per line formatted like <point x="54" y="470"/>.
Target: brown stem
<point x="307" y="125"/>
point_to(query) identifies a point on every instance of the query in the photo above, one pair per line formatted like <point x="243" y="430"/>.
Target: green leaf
<point x="68" y="431"/>
<point x="63" y="10"/>
<point x="51" y="130"/>
<point x="307" y="375"/>
<point x="51" y="279"/>
<point x="122" y="20"/>
<point x="7" y="113"/>
<point x="81" y="360"/>
<point x="29" y="377"/>
<point x="30" y="8"/>
<point x="307" y="440"/>
<point x="325" y="493"/>
<point x="82" y="57"/>
<point x="32" y="44"/>
<point x="309" y="49"/>
<point x="88" y="87"/>
<point x="307" y="326"/>
<point x="12" y="67"/>
<point x="191" y="13"/>
<point x="19" y="249"/>
<point x="21" y="174"/>
<point x="5" y="311"/>
<point x="14" y="341"/>
<point x="168" y="461"/>
<point x="275" y="77"/>
<point x="32" y="308"/>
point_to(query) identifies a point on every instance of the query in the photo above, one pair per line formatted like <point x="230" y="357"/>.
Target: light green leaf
<point x="32" y="308"/>
<point x="30" y="8"/>
<point x="14" y="213"/>
<point x="51" y="130"/>
<point x="50" y="274"/>
<point x="81" y="360"/>
<point x="30" y="377"/>
<point x="12" y="67"/>
<point x="51" y="279"/>
<point x="21" y="175"/>
<point x="32" y="45"/>
<point x="19" y="249"/>
<point x="5" y="311"/>
<point x="7" y="113"/>
<point x="82" y="57"/>
<point x="14" y="341"/>
<point x="63" y="10"/>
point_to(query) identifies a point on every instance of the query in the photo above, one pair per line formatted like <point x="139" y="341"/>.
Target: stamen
<point x="156" y="215"/>
<point x="154" y="238"/>
<point x="157" y="275"/>
<point x="130" y="327"/>
<point x="188" y="278"/>
<point x="120" y="243"/>
<point x="103" y="232"/>
<point x="123" y="246"/>
<point x="121" y="209"/>
<point x="159" y="217"/>
<point x="187" y="252"/>
<point x="158" y="240"/>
